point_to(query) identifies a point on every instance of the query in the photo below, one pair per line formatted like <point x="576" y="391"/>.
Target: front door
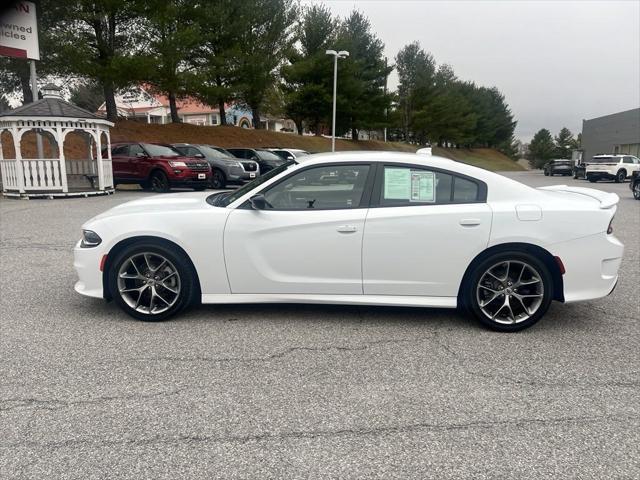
<point x="426" y="229"/>
<point x="308" y="240"/>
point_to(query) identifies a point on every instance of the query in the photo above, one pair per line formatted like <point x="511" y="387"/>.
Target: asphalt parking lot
<point x="290" y="391"/>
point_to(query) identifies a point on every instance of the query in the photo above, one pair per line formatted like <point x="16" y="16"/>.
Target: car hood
<point x="162" y="203"/>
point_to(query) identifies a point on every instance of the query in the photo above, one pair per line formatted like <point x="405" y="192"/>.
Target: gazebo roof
<point x="51" y="107"/>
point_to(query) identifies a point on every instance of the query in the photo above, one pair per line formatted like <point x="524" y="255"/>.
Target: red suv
<point x="157" y="166"/>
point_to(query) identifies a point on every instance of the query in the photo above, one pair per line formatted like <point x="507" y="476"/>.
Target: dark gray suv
<point x="225" y="168"/>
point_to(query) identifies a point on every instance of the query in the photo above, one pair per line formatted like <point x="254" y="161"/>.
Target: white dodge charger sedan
<point x="358" y="228"/>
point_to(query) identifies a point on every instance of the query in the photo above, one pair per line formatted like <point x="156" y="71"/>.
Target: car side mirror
<point x="141" y="155"/>
<point x="290" y="158"/>
<point x="254" y="158"/>
<point x="258" y="202"/>
<point x="199" y="155"/>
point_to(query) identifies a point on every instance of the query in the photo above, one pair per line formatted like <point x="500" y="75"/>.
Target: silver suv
<point x="225" y="168"/>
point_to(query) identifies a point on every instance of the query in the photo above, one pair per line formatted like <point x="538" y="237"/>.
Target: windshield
<point x="604" y="160"/>
<point x="267" y="155"/>
<point x="160" y="150"/>
<point x="224" y="199"/>
<point x="216" y="153"/>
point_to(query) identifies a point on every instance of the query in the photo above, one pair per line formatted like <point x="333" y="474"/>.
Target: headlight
<point x="232" y="163"/>
<point x="177" y="164"/>
<point x="90" y="239"/>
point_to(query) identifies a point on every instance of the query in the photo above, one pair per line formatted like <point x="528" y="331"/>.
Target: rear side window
<point x="403" y="186"/>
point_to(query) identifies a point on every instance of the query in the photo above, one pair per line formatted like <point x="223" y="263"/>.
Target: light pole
<point x="336" y="56"/>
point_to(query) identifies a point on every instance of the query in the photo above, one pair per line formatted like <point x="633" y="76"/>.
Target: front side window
<point x="328" y="187"/>
<point x="403" y="186"/>
<point x="160" y="150"/>
<point x="135" y="149"/>
<point x="120" y="151"/>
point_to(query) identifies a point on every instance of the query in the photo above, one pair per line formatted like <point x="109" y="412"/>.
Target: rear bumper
<point x="591" y="265"/>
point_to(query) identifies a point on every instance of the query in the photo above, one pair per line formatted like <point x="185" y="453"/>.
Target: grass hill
<point x="75" y="148"/>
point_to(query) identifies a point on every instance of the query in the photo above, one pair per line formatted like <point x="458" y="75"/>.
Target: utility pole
<point x="386" y="110"/>
<point x="34" y="98"/>
<point x="336" y="56"/>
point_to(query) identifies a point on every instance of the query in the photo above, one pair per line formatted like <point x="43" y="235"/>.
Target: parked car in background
<point x="611" y="167"/>
<point x="265" y="158"/>
<point x="558" y="167"/>
<point x="158" y="167"/>
<point x="364" y="228"/>
<point x="634" y="185"/>
<point x="225" y="168"/>
<point x="289" y="153"/>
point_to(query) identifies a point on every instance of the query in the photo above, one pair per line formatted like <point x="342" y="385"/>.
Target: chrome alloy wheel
<point x="510" y="292"/>
<point x="149" y="283"/>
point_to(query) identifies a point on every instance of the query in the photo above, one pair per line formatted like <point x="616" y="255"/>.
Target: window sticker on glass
<point x="422" y="184"/>
<point x="397" y="184"/>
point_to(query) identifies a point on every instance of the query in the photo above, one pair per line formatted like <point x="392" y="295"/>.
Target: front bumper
<point x="86" y="262"/>
<point x="591" y="265"/>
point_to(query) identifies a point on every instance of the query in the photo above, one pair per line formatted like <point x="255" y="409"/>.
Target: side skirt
<point x="389" y="300"/>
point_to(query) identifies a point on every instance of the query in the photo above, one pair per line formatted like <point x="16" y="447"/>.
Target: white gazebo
<point x="53" y="119"/>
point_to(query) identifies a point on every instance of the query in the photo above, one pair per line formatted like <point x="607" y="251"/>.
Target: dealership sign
<point x="19" y="31"/>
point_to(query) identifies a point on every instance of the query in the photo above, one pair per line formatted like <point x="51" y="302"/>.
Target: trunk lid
<point x="605" y="200"/>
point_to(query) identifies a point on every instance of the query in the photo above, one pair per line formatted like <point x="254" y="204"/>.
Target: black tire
<point x="546" y="173"/>
<point x="592" y="179"/>
<point x="218" y="180"/>
<point x="470" y="295"/>
<point x="621" y="176"/>
<point x="636" y="190"/>
<point x="186" y="277"/>
<point x="159" y="182"/>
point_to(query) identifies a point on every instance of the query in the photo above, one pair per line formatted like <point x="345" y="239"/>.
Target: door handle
<point x="470" y="222"/>
<point x="347" y="229"/>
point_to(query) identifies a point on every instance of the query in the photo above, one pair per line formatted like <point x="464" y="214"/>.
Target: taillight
<point x="610" y="228"/>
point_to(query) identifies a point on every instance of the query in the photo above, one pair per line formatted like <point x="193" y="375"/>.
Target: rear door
<point x="423" y="229"/>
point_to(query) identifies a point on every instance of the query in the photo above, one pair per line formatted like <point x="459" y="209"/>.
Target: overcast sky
<point x="556" y="62"/>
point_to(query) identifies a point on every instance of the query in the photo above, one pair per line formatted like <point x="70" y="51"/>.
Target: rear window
<point x="604" y="160"/>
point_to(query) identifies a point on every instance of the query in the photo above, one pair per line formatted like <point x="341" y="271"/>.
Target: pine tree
<point x="541" y="149"/>
<point x="565" y="143"/>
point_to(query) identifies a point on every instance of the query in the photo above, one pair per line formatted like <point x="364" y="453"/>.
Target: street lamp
<point x="336" y="56"/>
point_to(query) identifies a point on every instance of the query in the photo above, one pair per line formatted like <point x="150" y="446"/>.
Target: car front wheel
<point x="509" y="291"/>
<point x="636" y="190"/>
<point x="159" y="182"/>
<point x="151" y="282"/>
<point x="217" y="180"/>
<point x="620" y="176"/>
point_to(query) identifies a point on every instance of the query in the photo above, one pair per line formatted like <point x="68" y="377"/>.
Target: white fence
<point x="35" y="174"/>
<point x="45" y="174"/>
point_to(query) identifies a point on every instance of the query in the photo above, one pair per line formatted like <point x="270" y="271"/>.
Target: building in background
<point x="141" y="104"/>
<point x="616" y="133"/>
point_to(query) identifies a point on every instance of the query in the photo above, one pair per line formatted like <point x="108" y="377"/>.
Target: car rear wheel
<point x="150" y="282"/>
<point x="159" y="182"/>
<point x="218" y="179"/>
<point x="620" y="176"/>
<point x="509" y="291"/>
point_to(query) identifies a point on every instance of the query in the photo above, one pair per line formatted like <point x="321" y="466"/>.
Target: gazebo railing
<point x="37" y="174"/>
<point x="45" y="174"/>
